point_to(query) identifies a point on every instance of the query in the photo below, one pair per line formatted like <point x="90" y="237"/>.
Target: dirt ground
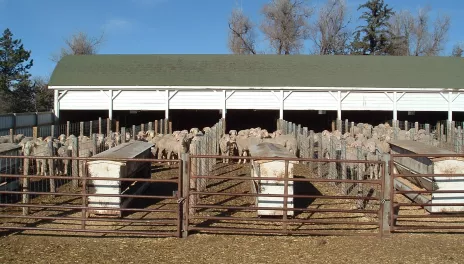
<point x="399" y="248"/>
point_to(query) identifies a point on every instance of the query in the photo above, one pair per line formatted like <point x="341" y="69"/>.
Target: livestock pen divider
<point x="157" y="212"/>
<point x="225" y="204"/>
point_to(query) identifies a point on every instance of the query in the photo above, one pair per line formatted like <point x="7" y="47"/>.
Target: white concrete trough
<point x="430" y="165"/>
<point x="274" y="169"/>
<point x="9" y="166"/>
<point x="118" y="169"/>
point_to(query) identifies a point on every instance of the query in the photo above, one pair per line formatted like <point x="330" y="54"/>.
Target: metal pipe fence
<point x="47" y="202"/>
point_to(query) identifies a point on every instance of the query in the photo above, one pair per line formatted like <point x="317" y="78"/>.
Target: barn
<point x="205" y="88"/>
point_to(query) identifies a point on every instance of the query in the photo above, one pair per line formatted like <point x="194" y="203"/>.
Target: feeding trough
<point x="429" y="164"/>
<point x="118" y="169"/>
<point x="272" y="169"/>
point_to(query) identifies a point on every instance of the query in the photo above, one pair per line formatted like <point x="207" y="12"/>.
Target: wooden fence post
<point x="319" y="155"/>
<point x="142" y="127"/>
<point x="343" y="166"/>
<point x="166" y="124"/>
<point x="52" y="131"/>
<point x="90" y="128"/>
<point x="156" y="127"/>
<point x="386" y="211"/>
<point x="68" y="124"/>
<point x="108" y="127"/>
<point x="134" y="134"/>
<point x="26" y="181"/>
<point x="427" y="129"/>
<point x="117" y="126"/>
<point x="51" y="167"/>
<point x="150" y="126"/>
<point x="81" y="128"/>
<point x="34" y="132"/>
<point x="347" y="129"/>
<point x="406" y="125"/>
<point x="123" y="135"/>
<point x="183" y="192"/>
<point x="94" y="144"/>
<point x="12" y="136"/>
<point x="170" y="127"/>
<point x="416" y="127"/>
<point x="99" y="125"/>
<point x="75" y="167"/>
<point x="332" y="127"/>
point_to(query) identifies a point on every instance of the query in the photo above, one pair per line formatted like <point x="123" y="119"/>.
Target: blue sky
<point x="158" y="26"/>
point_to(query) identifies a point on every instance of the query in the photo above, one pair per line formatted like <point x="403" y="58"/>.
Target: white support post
<point x="339" y="105"/>
<point x="57" y="105"/>
<point x="395" y="107"/>
<point x="450" y="108"/>
<point x="110" y="107"/>
<point x="224" y="104"/>
<point x="282" y="100"/>
<point x="166" y="107"/>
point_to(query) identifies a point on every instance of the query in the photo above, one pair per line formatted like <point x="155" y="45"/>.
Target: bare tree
<point x="458" y="50"/>
<point x="330" y="34"/>
<point x="79" y="44"/>
<point x="286" y="25"/>
<point x="401" y="27"/>
<point x="241" y="34"/>
<point x="416" y="33"/>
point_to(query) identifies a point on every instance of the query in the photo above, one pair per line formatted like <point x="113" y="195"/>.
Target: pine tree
<point x="15" y="86"/>
<point x="374" y="38"/>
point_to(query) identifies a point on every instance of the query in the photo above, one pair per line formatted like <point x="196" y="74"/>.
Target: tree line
<point x="288" y="24"/>
<point x="19" y="90"/>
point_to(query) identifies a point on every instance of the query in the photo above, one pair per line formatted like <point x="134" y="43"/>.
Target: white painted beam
<point x="339" y="105"/>
<point x="450" y="107"/>
<point x="286" y="88"/>
<point x="395" y="106"/>
<point x="166" y="106"/>
<point x="281" y="109"/>
<point x="110" y="107"/>
<point x="224" y="103"/>
<point x="56" y="107"/>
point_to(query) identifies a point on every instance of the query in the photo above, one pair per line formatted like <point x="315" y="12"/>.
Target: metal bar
<point x="279" y="231"/>
<point x="322" y="197"/>
<point x="430" y="216"/>
<point x="146" y="233"/>
<point x="289" y="159"/>
<point x="426" y="191"/>
<point x="88" y="178"/>
<point x="429" y="204"/>
<point x="293" y="179"/>
<point x="252" y="208"/>
<point x="313" y="221"/>
<point x="410" y="175"/>
<point x="95" y="219"/>
<point x="402" y="227"/>
<point x="427" y="155"/>
<point x="92" y="194"/>
<point x="80" y="207"/>
<point x="92" y="159"/>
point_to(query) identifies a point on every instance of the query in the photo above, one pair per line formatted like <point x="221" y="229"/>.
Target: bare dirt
<point x="401" y="248"/>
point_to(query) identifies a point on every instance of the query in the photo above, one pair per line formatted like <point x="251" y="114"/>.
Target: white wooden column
<point x="395" y="101"/>
<point x="339" y="98"/>
<point x="169" y="96"/>
<point x="450" y="107"/>
<point x="110" y="107"/>
<point x="224" y="104"/>
<point x="281" y="108"/>
<point x="56" y="107"/>
<point x="449" y="99"/>
<point x="166" y="106"/>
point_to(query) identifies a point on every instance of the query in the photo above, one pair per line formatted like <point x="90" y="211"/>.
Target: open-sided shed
<point x="261" y="82"/>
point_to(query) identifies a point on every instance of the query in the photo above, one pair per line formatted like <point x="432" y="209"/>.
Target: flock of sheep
<point x="370" y="141"/>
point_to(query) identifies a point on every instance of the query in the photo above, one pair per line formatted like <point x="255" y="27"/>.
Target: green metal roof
<point x="260" y="71"/>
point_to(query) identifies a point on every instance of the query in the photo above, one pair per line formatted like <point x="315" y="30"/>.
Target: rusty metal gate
<point x="71" y="201"/>
<point x="310" y="196"/>
<point x="422" y="202"/>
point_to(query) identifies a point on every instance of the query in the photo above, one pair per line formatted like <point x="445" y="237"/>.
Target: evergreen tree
<point x="374" y="38"/>
<point x="15" y="86"/>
